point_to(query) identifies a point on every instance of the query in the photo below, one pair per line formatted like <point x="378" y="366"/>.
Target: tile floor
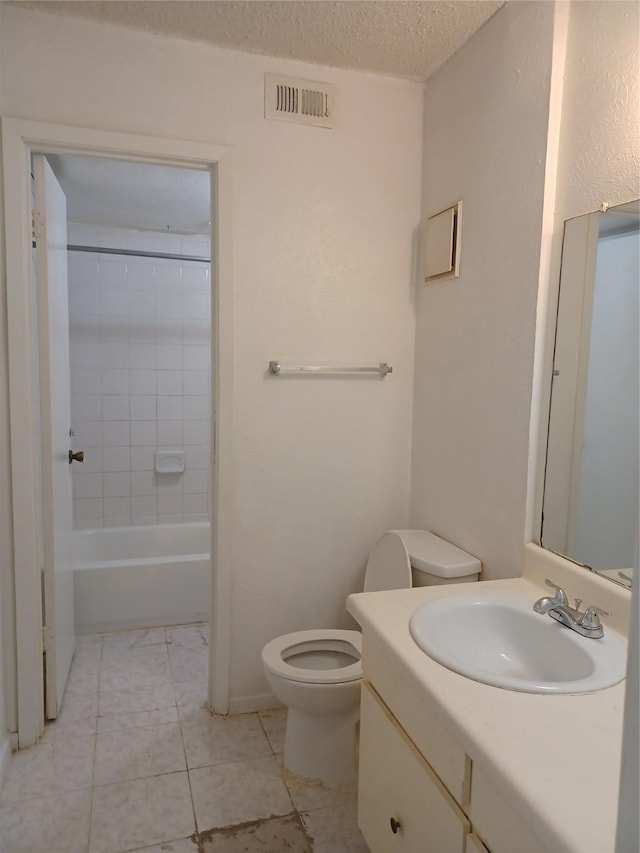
<point x="136" y="762"/>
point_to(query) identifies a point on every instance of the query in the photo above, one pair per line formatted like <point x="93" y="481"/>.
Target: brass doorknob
<point x="78" y="456"/>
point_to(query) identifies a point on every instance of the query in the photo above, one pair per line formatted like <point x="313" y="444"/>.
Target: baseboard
<point x="141" y="624"/>
<point x="258" y="702"/>
<point x="5" y="758"/>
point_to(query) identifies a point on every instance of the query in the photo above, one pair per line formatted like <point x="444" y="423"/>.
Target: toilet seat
<point x="305" y="644"/>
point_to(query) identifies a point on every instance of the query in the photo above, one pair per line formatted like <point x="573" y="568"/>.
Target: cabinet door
<point x="397" y="790"/>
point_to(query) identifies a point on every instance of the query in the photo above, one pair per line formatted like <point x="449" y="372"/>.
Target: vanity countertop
<point x="554" y="758"/>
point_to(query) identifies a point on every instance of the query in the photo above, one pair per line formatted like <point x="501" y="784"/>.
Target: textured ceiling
<point x="394" y="37"/>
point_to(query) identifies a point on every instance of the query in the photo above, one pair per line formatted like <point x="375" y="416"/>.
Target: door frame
<point x="23" y="682"/>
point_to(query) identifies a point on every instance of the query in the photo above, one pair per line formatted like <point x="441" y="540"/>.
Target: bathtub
<point x="137" y="577"/>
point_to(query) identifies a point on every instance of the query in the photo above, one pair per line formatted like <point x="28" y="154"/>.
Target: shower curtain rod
<point x="137" y="253"/>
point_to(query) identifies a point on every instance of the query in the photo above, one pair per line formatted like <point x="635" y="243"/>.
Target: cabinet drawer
<point x="397" y="785"/>
<point x="432" y="739"/>
<point x="496" y="821"/>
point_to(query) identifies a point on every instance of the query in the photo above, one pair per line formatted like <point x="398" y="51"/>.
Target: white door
<point x="50" y="221"/>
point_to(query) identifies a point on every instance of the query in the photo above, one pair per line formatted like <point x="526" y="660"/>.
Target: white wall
<point x="140" y="354"/>
<point x="486" y="121"/>
<point x="600" y="162"/>
<point x="323" y="229"/>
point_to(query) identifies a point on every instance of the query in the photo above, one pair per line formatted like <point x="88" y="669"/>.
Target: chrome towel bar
<point x="278" y="369"/>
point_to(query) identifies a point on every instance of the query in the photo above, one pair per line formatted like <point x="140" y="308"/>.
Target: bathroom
<point x="347" y="290"/>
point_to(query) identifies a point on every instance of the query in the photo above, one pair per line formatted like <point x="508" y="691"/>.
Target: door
<point x="50" y="225"/>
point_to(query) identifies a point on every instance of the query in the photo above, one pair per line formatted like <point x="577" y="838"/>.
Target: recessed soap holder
<point x="169" y="461"/>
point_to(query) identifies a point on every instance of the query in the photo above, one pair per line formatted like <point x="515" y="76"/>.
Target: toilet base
<point x="322" y="748"/>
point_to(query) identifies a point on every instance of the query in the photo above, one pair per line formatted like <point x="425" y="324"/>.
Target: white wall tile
<point x="84" y="353"/>
<point x="144" y="507"/>
<point x="115" y="380"/>
<point x="169" y="305"/>
<point x="170" y="504"/>
<point x="117" y="510"/>
<point x="169" y="432"/>
<point x="129" y="343"/>
<point x="85" y="380"/>
<point x="87" y="434"/>
<point x="195" y="432"/>
<point x="195" y="408"/>
<point x="142" y="356"/>
<point x="143" y="433"/>
<point x="115" y="433"/>
<point x="195" y="357"/>
<point x="142" y="407"/>
<point x="140" y="275"/>
<point x="112" y="274"/>
<point x="168" y="357"/>
<point x="170" y="408"/>
<point x="194" y="503"/>
<point x="195" y="382"/>
<point x="115" y="407"/>
<point x="86" y="407"/>
<point x="88" y="509"/>
<point x="92" y="460"/>
<point x="143" y="483"/>
<point x="195" y="481"/>
<point x="87" y="485"/>
<point x="116" y="459"/>
<point x="117" y="485"/>
<point x="142" y="382"/>
<point x="114" y="354"/>
<point x="170" y="382"/>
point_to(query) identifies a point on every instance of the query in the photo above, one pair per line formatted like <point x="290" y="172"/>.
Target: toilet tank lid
<point x="429" y="553"/>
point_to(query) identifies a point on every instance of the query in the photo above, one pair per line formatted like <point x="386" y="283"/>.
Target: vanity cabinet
<point x="402" y="805"/>
<point x="418" y="791"/>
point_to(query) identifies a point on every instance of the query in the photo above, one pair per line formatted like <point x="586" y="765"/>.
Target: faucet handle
<point x="561" y="595"/>
<point x="591" y="616"/>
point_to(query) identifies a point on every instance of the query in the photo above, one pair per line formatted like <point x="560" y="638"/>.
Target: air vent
<point x="300" y="101"/>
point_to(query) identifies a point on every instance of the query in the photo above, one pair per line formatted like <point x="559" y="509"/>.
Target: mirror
<point x="590" y="504"/>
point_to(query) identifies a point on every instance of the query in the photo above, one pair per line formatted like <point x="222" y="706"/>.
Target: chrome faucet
<point x="586" y="624"/>
<point x="543" y="605"/>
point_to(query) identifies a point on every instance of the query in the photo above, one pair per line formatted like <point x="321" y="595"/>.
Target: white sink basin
<point x="496" y="638"/>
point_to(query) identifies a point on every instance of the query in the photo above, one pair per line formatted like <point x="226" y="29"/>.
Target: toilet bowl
<point x="317" y="673"/>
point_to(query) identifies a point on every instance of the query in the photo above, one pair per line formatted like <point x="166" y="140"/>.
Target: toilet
<point x="317" y="674"/>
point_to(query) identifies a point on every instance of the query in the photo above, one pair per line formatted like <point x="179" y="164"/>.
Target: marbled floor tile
<point x="334" y="830"/>
<point x="62" y="765"/>
<point x="192" y="698"/>
<point x="134" y="673"/>
<point x="189" y="664"/>
<point x="274" y="723"/>
<point x="188" y="636"/>
<point x="77" y="717"/>
<point x="228" y="794"/>
<point x="148" y="697"/>
<point x="136" y="753"/>
<point x="136" y="719"/>
<point x="142" y="812"/>
<point x="209" y="739"/>
<point x="264" y="836"/>
<point x="184" y="845"/>
<point x="127" y="640"/>
<point x="55" y="824"/>
<point x="317" y="795"/>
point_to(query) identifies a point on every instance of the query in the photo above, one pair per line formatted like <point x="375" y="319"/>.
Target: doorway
<point x="24" y="644"/>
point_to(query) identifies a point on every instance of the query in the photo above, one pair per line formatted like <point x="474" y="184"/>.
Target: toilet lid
<point x="389" y="566"/>
<point x="302" y="643"/>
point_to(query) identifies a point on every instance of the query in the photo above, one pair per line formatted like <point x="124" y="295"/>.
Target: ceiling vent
<point x="300" y="101"/>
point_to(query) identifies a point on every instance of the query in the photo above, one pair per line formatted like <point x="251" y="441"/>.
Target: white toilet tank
<point x="404" y="558"/>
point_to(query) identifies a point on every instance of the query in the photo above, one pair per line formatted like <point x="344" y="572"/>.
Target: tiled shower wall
<point x="140" y="355"/>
